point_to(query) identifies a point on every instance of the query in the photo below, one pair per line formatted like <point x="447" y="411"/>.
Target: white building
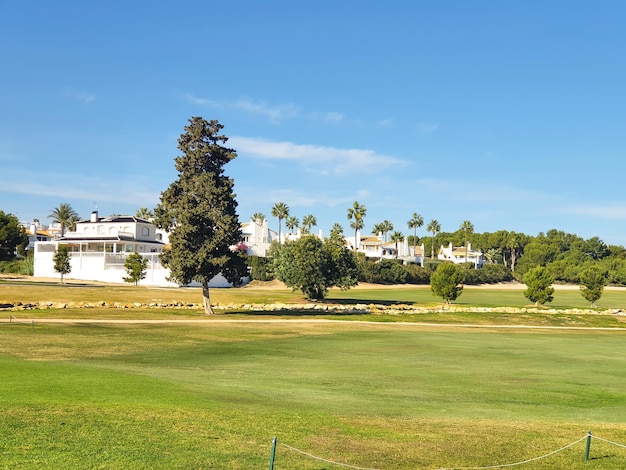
<point x="459" y="255"/>
<point x="373" y="246"/>
<point x="257" y="237"/>
<point x="99" y="248"/>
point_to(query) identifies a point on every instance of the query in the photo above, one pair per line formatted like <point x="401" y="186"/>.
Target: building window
<point x="145" y="231"/>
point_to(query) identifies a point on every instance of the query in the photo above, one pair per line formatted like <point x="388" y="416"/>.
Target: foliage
<point x="356" y="214"/>
<point x="199" y="209"/>
<point x="416" y="274"/>
<point x="23" y="266"/>
<point x="445" y="282"/>
<point x="434" y="227"/>
<point x="260" y="268"/>
<point x="13" y="237"/>
<point x="538" y="282"/>
<point x="144" y="213"/>
<point x="61" y="260"/>
<point x="65" y="216"/>
<point x="488" y="274"/>
<point x="382" y="228"/>
<point x="313" y="266"/>
<point x="280" y="211"/>
<point x="308" y="221"/>
<point x="135" y="266"/>
<point x="593" y="279"/>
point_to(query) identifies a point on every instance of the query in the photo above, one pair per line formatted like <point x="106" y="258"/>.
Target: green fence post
<point x="273" y="453"/>
<point x="588" y="449"/>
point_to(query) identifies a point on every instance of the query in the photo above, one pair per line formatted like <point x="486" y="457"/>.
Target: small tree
<point x="445" y="282"/>
<point x="592" y="282"/>
<point x="313" y="266"/>
<point x="136" y="267"/>
<point x="61" y="260"/>
<point x="538" y="282"/>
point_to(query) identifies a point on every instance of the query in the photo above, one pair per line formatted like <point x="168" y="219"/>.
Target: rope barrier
<point x="519" y="463"/>
<point x="610" y="442"/>
<point x="325" y="460"/>
<point x="465" y="468"/>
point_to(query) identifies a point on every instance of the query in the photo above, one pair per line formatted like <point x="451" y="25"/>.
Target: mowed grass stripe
<point x="156" y="396"/>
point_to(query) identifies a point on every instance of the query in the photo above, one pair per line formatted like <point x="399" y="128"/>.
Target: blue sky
<point x="507" y="114"/>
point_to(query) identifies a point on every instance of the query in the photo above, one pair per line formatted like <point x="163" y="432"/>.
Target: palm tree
<point x="467" y="227"/>
<point x="434" y="227"/>
<point x="308" y="221"/>
<point x="397" y="237"/>
<point x="356" y="213"/>
<point x="64" y="215"/>
<point x="416" y="222"/>
<point x="258" y="217"/>
<point x="280" y="211"/>
<point x="384" y="227"/>
<point x="144" y="213"/>
<point x="292" y="222"/>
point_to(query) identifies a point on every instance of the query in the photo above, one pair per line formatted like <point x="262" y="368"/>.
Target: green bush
<point x="23" y="266"/>
<point x="385" y="271"/>
<point x="260" y="268"/>
<point x="417" y="274"/>
<point x="432" y="263"/>
<point x="488" y="274"/>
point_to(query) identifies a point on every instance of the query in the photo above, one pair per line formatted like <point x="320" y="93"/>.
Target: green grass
<point x="386" y="396"/>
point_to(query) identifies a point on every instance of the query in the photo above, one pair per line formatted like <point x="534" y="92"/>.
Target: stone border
<point x="313" y="307"/>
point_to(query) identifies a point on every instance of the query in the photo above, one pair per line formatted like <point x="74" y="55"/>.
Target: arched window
<point x="145" y="231"/>
<point x="100" y="229"/>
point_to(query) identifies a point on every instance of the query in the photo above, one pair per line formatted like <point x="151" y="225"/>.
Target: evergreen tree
<point x="136" y="266"/>
<point x="445" y="282"/>
<point x="592" y="282"/>
<point x="61" y="260"/>
<point x="538" y="282"/>
<point x="199" y="209"/>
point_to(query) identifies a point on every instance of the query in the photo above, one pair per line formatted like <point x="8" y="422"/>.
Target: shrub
<point x="417" y="274"/>
<point x="260" y="268"/>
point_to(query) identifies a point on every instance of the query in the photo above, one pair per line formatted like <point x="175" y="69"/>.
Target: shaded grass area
<point x="377" y="396"/>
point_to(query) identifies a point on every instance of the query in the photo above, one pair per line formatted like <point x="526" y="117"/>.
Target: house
<point x="257" y="237"/>
<point x="100" y="245"/>
<point x="373" y="246"/>
<point x="37" y="233"/>
<point x="459" y="255"/>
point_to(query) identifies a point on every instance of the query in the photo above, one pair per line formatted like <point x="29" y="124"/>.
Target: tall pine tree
<point x="199" y="210"/>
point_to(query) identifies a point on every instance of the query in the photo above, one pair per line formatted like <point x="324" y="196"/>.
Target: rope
<point x="610" y="442"/>
<point x="324" y="460"/>
<point x="519" y="463"/>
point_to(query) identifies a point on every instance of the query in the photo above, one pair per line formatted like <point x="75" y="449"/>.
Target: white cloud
<point x="275" y="113"/>
<point x="318" y="158"/>
<point x="79" y="187"/>
<point x="385" y="122"/>
<point x="426" y="128"/>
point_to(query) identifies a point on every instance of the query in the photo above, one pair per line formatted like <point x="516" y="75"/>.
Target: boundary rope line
<point x="519" y="463"/>
<point x="606" y="440"/>
<point x="465" y="468"/>
<point x="325" y="460"/>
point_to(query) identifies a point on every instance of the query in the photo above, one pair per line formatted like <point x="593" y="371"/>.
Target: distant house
<point x="37" y="233"/>
<point x="257" y="237"/>
<point x="459" y="255"/>
<point x="100" y="245"/>
<point x="373" y="246"/>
